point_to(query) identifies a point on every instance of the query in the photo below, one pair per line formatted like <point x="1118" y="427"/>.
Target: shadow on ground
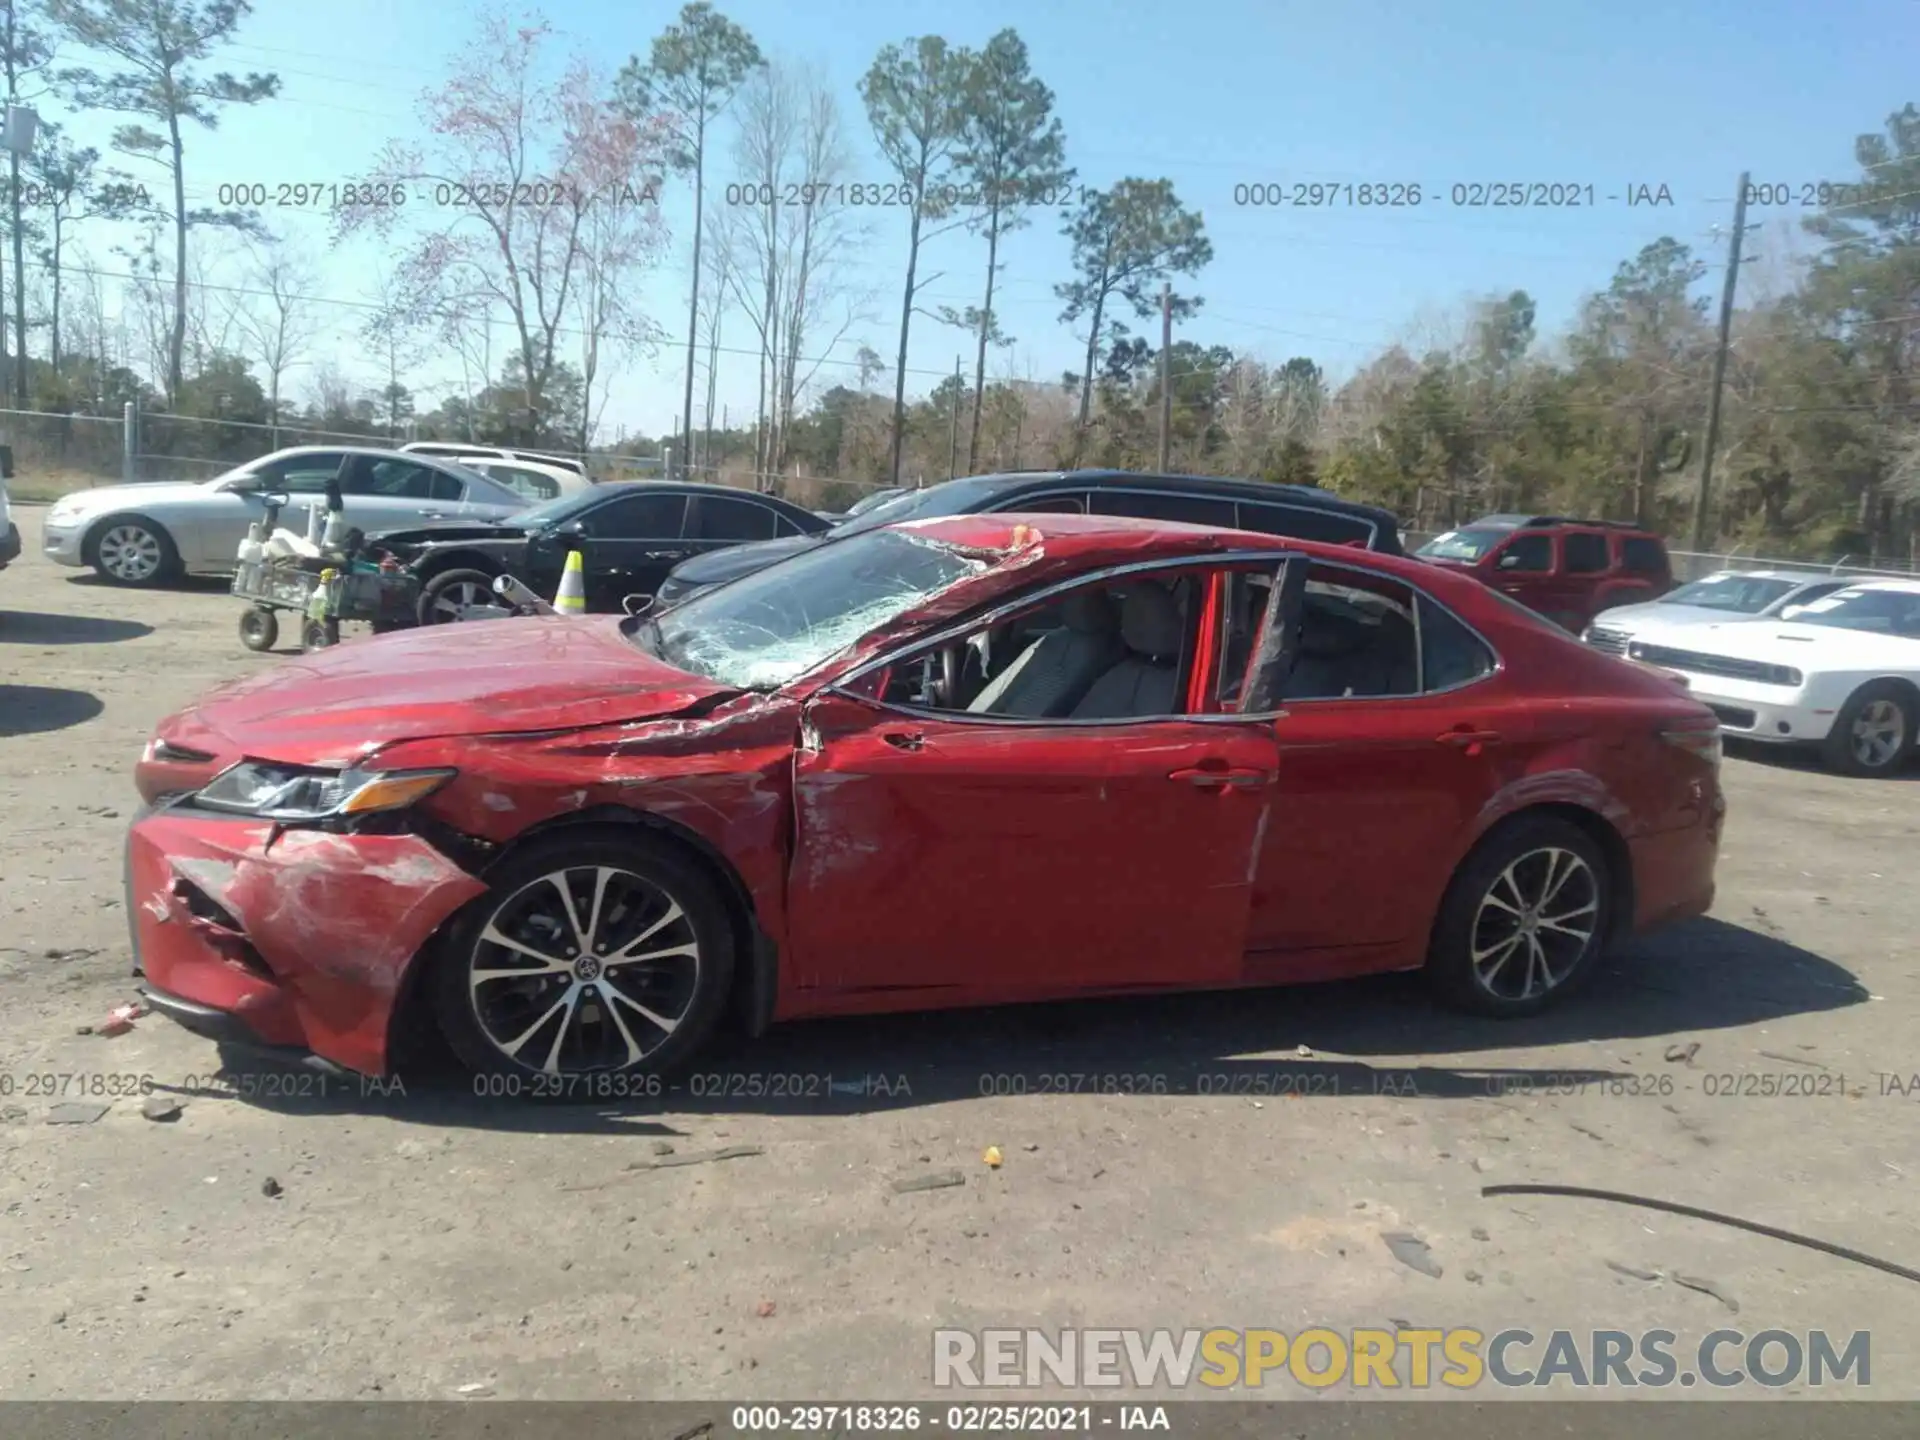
<point x="186" y="584"/>
<point x="1362" y="1038"/>
<point x="1806" y="760"/>
<point x="33" y="627"/>
<point x="36" y="709"/>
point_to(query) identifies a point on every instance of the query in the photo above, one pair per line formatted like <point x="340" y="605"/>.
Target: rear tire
<point x="133" y="551"/>
<point x="557" y="1006"/>
<point x="445" y="598"/>
<point x="1524" y="921"/>
<point x="1874" y="732"/>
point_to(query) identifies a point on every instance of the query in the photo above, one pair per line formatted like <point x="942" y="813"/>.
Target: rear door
<point x="1390" y="744"/>
<point x="397" y="492"/>
<point x="718" y="520"/>
<point x="631" y="543"/>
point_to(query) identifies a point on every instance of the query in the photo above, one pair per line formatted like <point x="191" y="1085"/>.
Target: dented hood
<point x="493" y="676"/>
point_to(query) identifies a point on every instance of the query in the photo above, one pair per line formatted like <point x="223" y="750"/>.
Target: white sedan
<point x="149" y="534"/>
<point x="1842" y="672"/>
<point x="1727" y="595"/>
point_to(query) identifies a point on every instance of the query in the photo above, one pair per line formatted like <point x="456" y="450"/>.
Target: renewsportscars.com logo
<point x="1365" y="1359"/>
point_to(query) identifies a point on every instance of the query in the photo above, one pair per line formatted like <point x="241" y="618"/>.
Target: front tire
<point x="1874" y="732"/>
<point x="1524" y="921"/>
<point x="134" y="551"/>
<point x="450" y="595"/>
<point x="594" y="952"/>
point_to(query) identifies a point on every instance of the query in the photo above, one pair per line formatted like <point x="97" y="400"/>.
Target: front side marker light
<point x="395" y="791"/>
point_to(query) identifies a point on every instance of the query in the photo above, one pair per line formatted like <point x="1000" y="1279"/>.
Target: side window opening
<point x="1357" y="638"/>
<point x="1450" y="653"/>
<point x="1527" y="553"/>
<point x="1585" y="553"/>
<point x="1108" y="650"/>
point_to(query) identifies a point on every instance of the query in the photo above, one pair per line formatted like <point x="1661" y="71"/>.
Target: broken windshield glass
<point x="774" y="625"/>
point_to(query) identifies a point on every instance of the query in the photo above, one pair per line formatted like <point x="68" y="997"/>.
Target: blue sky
<point x="1620" y="94"/>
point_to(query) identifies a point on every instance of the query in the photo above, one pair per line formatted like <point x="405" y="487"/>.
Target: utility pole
<point x="1701" y="500"/>
<point x="1166" y="379"/>
<point x="953" y="425"/>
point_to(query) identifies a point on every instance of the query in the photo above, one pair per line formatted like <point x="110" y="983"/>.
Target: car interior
<point x="1125" y="649"/>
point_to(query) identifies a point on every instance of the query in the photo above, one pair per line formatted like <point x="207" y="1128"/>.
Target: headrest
<point x="1327" y="634"/>
<point x="1090" y="612"/>
<point x="1150" y="621"/>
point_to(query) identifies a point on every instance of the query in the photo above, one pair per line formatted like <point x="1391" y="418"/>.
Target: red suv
<point x="1568" y="570"/>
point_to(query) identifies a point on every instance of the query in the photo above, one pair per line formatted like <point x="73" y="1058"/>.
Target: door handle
<point x="904" y="739"/>
<point x="666" y="554"/>
<point x="1470" y="741"/>
<point x="1238" y="777"/>
<point x="433" y="514"/>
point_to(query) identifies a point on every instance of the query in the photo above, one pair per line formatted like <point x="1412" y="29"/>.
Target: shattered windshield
<point x="1462" y="544"/>
<point x="764" y="630"/>
<point x="1745" y="594"/>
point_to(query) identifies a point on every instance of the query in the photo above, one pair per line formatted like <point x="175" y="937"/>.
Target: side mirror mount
<point x="274" y="499"/>
<point x="1508" y="561"/>
<point x="636" y="605"/>
<point x="570" y="530"/>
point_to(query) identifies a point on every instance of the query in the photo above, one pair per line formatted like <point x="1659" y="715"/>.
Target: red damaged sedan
<point x="956" y="762"/>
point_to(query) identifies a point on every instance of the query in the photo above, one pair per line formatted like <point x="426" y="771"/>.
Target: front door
<point x="951" y="856"/>
<point x="1527" y="568"/>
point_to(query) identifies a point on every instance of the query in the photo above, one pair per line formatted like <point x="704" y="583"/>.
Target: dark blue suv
<point x="1301" y="511"/>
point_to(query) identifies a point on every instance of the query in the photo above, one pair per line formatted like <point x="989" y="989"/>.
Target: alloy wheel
<point x="458" y="601"/>
<point x="1879" y="730"/>
<point x="129" y="552"/>
<point x="1534" y="924"/>
<point x="585" y="968"/>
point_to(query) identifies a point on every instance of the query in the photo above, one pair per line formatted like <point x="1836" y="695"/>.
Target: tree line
<point x="522" y="210"/>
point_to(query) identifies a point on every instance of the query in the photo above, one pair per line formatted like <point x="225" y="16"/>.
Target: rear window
<point x="1181" y="509"/>
<point x="1584" y="552"/>
<point x="1642" y="555"/>
<point x="1302" y="522"/>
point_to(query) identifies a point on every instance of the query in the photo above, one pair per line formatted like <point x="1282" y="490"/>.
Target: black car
<point x="1301" y="511"/>
<point x="629" y="536"/>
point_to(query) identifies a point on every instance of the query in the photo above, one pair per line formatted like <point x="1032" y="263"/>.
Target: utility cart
<point x="323" y="595"/>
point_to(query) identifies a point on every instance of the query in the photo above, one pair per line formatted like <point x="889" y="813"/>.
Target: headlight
<point x="63" y="510"/>
<point x="286" y="792"/>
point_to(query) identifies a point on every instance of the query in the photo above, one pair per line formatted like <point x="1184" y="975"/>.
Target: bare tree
<point x="789" y="251"/>
<point x="277" y="320"/>
<point x="693" y="72"/>
<point x="822" y="240"/>
<point x="506" y="221"/>
<point x="156" y="44"/>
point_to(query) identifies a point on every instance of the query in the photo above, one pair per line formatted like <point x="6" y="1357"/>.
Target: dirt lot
<point x="425" y="1244"/>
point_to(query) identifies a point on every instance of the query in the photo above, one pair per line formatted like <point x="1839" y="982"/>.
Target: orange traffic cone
<point x="572" y="597"/>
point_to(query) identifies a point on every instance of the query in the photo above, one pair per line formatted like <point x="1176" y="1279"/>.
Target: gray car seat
<point x="1144" y="683"/>
<point x="1048" y="678"/>
<point x="1342" y="655"/>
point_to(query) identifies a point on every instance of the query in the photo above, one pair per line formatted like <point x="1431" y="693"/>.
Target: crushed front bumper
<point x="295" y="942"/>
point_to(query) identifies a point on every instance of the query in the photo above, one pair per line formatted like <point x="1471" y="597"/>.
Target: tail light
<point x="1701" y="741"/>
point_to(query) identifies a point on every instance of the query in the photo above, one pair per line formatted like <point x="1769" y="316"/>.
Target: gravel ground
<point x="333" y="1244"/>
